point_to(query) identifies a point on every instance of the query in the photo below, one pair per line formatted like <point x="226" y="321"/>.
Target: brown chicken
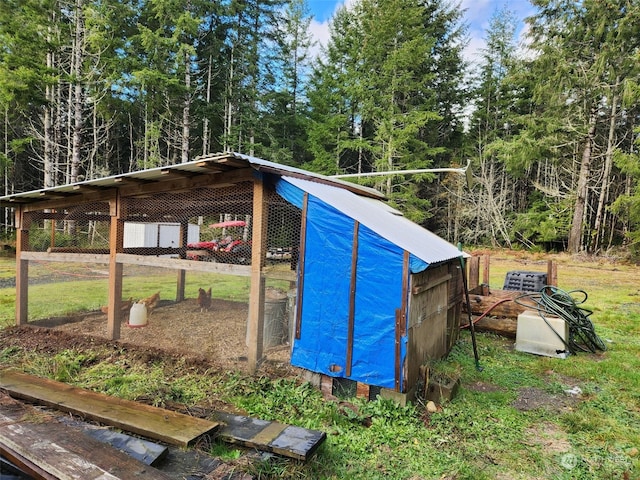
<point x="204" y="299"/>
<point x="151" y="302"/>
<point x="125" y="306"/>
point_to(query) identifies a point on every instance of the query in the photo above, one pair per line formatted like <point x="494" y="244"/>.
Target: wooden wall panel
<point x="428" y="320"/>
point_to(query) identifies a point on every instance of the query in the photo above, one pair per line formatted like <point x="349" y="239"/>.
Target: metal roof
<point x="360" y="203"/>
<point x="384" y="220"/>
<point x="205" y="164"/>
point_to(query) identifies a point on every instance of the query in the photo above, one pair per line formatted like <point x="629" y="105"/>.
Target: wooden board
<point x="285" y="440"/>
<point x="47" y="449"/>
<point x="152" y="422"/>
<point x="142" y="450"/>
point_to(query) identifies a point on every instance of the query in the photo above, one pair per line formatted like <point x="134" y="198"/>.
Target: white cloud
<point x="320" y="30"/>
<point x="477" y="14"/>
<point x="320" y="33"/>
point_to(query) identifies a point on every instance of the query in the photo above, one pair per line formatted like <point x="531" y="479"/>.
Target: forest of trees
<point x="90" y="88"/>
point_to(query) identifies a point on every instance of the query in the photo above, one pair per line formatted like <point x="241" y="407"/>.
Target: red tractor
<point x="230" y="249"/>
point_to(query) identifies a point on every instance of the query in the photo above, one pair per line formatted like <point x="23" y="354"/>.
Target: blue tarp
<point x="322" y="346"/>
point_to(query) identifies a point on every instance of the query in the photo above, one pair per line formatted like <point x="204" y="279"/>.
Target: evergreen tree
<point x="487" y="208"/>
<point x="381" y="66"/>
<point x="285" y="111"/>
<point x="585" y="56"/>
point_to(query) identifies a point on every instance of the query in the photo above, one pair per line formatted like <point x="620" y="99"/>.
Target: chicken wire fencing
<point x="200" y="304"/>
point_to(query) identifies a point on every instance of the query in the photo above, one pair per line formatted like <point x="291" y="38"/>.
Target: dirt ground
<point x="215" y="338"/>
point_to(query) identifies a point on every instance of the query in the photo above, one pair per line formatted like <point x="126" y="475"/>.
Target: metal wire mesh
<point x="72" y="229"/>
<point x="205" y="224"/>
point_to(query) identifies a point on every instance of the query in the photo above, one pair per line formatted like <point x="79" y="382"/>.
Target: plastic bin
<point x="525" y="281"/>
<point x="542" y="336"/>
<point x="275" y="319"/>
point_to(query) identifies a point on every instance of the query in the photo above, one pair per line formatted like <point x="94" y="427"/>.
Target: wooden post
<point x="485" y="269"/>
<point x="22" y="268"/>
<point x="352" y="298"/>
<point x="301" y="255"/>
<point x="474" y="272"/>
<point x="116" y="241"/>
<point x="401" y="321"/>
<point x="552" y="273"/>
<point x="255" y="331"/>
<point x="183" y="240"/>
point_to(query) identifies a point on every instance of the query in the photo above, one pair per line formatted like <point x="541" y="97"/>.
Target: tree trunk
<point x="205" y="120"/>
<point x="608" y="164"/>
<point x="77" y="95"/>
<point x="575" y="234"/>
<point x="184" y="157"/>
<point x="48" y="161"/>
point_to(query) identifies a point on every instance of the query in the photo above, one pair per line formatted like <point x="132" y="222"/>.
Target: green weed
<point x="478" y="435"/>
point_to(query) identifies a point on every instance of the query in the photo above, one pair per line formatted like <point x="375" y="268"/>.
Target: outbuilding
<point x="376" y="295"/>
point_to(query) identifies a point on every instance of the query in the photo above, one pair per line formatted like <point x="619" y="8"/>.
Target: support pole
<point x="116" y="241"/>
<point x="181" y="280"/>
<point x="22" y="268"/>
<point x="255" y="331"/>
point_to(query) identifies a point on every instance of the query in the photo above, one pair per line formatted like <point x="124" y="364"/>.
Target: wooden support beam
<point x="90" y="188"/>
<point x="177" y="173"/>
<point x="132" y="181"/>
<point x="18" y="200"/>
<point x="22" y="269"/>
<point x="182" y="245"/>
<point x="46" y="194"/>
<point x="485" y="269"/>
<point x="233" y="162"/>
<point x="352" y="298"/>
<point x="500" y="302"/>
<point x="401" y="321"/>
<point x="255" y="336"/>
<point x="116" y="241"/>
<point x="474" y="272"/>
<point x="211" y="166"/>
<point x="301" y="256"/>
<point x="552" y="273"/>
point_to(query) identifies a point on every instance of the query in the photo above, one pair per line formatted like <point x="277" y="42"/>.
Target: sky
<point x="478" y="14"/>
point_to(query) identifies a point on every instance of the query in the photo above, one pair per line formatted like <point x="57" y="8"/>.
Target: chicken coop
<point x="316" y="267"/>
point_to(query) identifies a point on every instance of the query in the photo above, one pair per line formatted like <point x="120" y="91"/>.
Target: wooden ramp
<point x="151" y="422"/>
<point x="46" y="449"/>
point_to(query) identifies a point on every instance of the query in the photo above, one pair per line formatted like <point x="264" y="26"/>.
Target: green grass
<point x="478" y="435"/>
<point x="90" y="291"/>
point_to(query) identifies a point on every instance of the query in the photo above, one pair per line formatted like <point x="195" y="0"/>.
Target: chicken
<point x="151" y="302"/>
<point x="125" y="306"/>
<point x="204" y="299"/>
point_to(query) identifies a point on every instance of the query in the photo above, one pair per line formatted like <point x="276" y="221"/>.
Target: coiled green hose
<point x="553" y="301"/>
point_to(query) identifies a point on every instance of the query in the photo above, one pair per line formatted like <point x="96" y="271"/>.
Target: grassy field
<point x="521" y="417"/>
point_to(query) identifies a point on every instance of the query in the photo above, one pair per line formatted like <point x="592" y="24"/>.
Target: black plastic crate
<point x="525" y="281"/>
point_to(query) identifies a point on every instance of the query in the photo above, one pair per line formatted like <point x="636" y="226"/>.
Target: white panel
<point x="133" y="235"/>
<point x="193" y="233"/>
<point x="169" y="235"/>
<point x="534" y="335"/>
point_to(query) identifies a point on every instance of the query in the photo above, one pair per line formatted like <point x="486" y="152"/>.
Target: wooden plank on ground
<point x="48" y="449"/>
<point x="285" y="440"/>
<point x="142" y="450"/>
<point x="152" y="422"/>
